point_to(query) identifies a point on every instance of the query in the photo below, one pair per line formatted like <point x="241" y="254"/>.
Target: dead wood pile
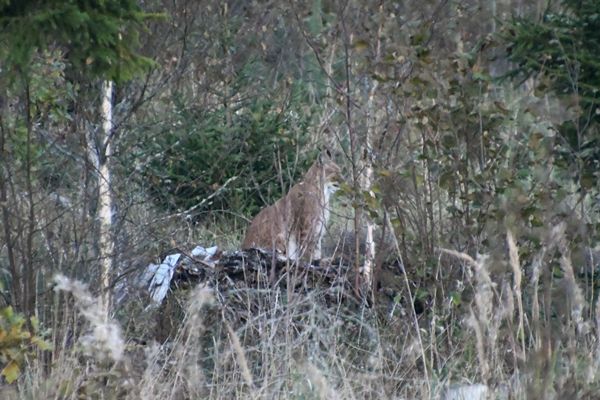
<point x="257" y="268"/>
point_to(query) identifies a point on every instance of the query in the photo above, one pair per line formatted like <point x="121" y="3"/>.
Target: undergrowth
<point x="522" y="336"/>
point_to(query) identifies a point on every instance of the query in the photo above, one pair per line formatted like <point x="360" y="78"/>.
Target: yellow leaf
<point x="384" y="172"/>
<point x="35" y="324"/>
<point x="17" y="333"/>
<point x="11" y="372"/>
<point x="360" y="45"/>
<point x="41" y="343"/>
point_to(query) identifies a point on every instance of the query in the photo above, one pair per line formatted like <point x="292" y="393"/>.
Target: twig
<point x="203" y="202"/>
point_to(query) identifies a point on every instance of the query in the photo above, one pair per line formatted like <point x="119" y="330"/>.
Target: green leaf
<point x="40" y="343"/>
<point x="455" y="298"/>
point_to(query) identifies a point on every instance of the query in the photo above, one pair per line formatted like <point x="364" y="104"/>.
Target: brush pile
<point x="253" y="268"/>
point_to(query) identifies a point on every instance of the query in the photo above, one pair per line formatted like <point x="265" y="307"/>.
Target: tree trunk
<point x="29" y="273"/>
<point x="367" y="177"/>
<point x="366" y="183"/>
<point x="100" y="153"/>
<point x="105" y="198"/>
<point x="6" y="219"/>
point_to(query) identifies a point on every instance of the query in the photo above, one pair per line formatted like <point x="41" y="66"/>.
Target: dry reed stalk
<point x="595" y="366"/>
<point x="185" y="344"/>
<point x="576" y="298"/>
<point x="475" y="324"/>
<point x="535" y="303"/>
<point x="484" y="300"/>
<point x="322" y="386"/>
<point x="483" y="324"/>
<point x="104" y="341"/>
<point x="549" y="244"/>
<point x="513" y="253"/>
<point x="241" y="356"/>
<point x="411" y="298"/>
<point x="462" y="256"/>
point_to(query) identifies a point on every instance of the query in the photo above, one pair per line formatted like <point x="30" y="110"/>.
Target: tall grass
<point x="519" y="333"/>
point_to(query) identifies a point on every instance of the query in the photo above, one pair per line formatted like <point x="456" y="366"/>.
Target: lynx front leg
<point x="319" y="233"/>
<point x="311" y="246"/>
<point x="293" y="250"/>
<point x="317" y="254"/>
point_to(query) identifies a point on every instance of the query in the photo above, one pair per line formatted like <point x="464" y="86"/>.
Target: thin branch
<point x="202" y="203"/>
<point x="336" y="85"/>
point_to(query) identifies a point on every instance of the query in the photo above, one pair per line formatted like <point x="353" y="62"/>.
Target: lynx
<point x="295" y="224"/>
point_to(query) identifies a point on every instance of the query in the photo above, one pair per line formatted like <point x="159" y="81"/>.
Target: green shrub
<point x="199" y="150"/>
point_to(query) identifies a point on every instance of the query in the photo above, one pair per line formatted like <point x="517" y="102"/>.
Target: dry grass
<point x="519" y="333"/>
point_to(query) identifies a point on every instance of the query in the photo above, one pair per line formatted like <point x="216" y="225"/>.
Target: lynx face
<point x="295" y="224"/>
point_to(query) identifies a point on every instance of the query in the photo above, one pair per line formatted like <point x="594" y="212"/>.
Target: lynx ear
<point x="324" y="156"/>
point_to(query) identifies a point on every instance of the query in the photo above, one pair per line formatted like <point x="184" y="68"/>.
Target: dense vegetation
<point x="469" y="135"/>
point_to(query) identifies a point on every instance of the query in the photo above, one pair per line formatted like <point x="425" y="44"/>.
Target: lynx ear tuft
<point x="324" y="155"/>
<point x="321" y="158"/>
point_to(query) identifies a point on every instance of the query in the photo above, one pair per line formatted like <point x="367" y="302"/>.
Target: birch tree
<point x="100" y="153"/>
<point x="367" y="177"/>
<point x="97" y="41"/>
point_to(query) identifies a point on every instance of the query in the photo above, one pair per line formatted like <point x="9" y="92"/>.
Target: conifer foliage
<point x="98" y="37"/>
<point x="564" y="49"/>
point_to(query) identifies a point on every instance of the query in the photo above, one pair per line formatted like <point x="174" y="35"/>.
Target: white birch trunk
<point x="367" y="178"/>
<point x="366" y="183"/>
<point x="105" y="198"/>
<point x="100" y="152"/>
